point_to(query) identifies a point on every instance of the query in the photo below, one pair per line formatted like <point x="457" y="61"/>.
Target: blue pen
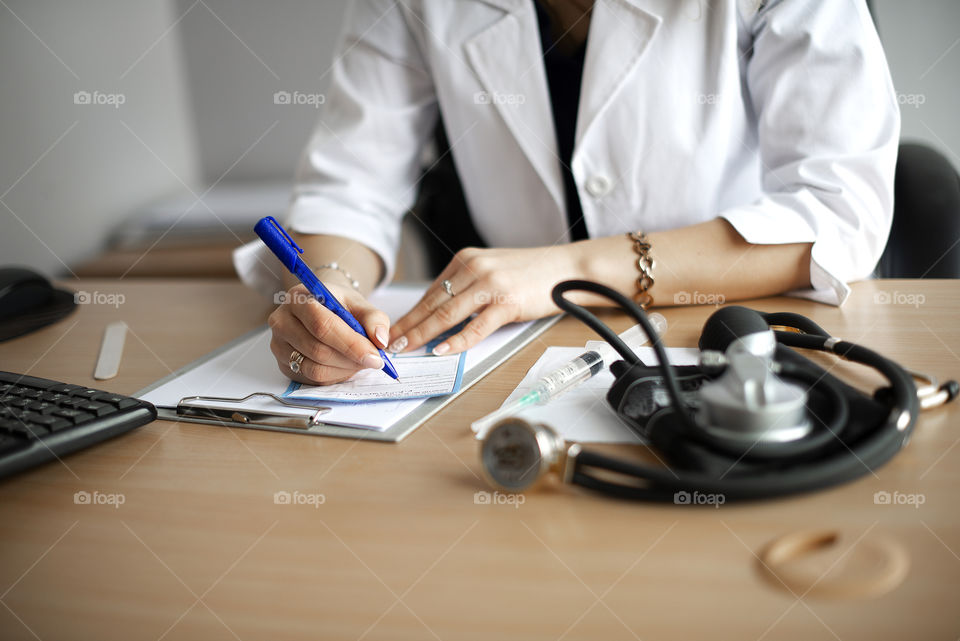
<point x="278" y="240"/>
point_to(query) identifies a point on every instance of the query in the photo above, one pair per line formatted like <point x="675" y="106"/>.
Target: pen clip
<point x="273" y="221"/>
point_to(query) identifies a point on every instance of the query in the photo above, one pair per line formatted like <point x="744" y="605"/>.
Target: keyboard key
<point x="9" y="425"/>
<point x="85" y="392"/>
<point x="75" y="416"/>
<point x="97" y="408"/>
<point x="49" y="422"/>
<point x="61" y="424"/>
<point x="32" y="381"/>
<point x="107" y="397"/>
<point x="30" y="430"/>
<point x="64" y="388"/>
<point x="53" y="397"/>
<point x="41" y="407"/>
<point x="116" y="400"/>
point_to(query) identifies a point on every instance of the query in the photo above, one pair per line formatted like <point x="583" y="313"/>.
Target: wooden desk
<point x="399" y="549"/>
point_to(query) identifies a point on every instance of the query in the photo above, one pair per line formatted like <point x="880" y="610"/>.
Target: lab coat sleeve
<point x="358" y="175"/>
<point x="828" y="128"/>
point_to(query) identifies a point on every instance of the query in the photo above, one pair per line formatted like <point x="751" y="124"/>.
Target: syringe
<point x="582" y="368"/>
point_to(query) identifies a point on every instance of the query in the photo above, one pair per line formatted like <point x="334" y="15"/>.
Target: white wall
<point x="285" y="45"/>
<point x="69" y="172"/>
<point x="922" y="40"/>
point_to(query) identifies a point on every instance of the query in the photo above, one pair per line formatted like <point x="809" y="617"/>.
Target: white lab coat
<point x="780" y="118"/>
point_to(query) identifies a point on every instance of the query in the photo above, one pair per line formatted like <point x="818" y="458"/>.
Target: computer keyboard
<point x="41" y="420"/>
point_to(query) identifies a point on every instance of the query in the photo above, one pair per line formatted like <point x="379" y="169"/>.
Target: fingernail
<point x="372" y="361"/>
<point x="441" y="349"/>
<point x="399" y="345"/>
<point x="382" y="336"/>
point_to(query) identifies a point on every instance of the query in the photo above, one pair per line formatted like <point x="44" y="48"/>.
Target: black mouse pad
<point x="60" y="304"/>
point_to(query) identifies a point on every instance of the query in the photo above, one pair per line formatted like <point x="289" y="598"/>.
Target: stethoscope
<point x="517" y="454"/>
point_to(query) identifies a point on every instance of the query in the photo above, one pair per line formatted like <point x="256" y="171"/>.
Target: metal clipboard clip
<point x="230" y="410"/>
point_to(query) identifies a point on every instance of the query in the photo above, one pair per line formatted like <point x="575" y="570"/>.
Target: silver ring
<point x="295" y="359"/>
<point x="447" y="287"/>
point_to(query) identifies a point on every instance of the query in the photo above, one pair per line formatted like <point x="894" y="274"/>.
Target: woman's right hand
<point x="332" y="352"/>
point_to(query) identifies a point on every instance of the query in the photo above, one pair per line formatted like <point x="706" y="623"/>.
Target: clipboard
<point x="221" y="408"/>
<point x="317" y="426"/>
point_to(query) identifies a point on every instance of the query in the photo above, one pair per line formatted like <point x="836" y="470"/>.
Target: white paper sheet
<point x="582" y="414"/>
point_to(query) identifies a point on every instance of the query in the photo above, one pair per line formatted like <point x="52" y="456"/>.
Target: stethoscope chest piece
<point x="516" y="454"/>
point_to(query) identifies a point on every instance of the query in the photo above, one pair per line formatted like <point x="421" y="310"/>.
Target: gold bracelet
<point x="645" y="265"/>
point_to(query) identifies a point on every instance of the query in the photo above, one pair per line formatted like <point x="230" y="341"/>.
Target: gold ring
<point x="295" y="359"/>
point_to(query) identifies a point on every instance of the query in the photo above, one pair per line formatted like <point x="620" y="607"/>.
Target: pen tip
<point x="390" y="370"/>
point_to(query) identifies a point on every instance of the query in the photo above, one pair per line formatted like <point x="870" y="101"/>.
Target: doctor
<point x="675" y="150"/>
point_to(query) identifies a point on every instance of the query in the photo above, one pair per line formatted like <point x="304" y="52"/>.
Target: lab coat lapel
<point x="627" y="30"/>
<point x="507" y="59"/>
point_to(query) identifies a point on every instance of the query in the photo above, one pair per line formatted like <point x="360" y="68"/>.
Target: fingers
<point x="436" y="312"/>
<point x="327" y="328"/>
<point x="448" y="314"/>
<point x="311" y="372"/>
<point x="431" y="302"/>
<point x="476" y="280"/>
<point x="374" y="321"/>
<point x="332" y="351"/>
<point x="460" y="273"/>
<point x="291" y="331"/>
<point x="484" y="324"/>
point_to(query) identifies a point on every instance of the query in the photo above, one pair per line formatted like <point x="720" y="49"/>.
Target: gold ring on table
<point x="447" y="287"/>
<point x="295" y="359"/>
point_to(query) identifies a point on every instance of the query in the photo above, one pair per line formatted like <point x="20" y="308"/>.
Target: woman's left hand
<point x="500" y="285"/>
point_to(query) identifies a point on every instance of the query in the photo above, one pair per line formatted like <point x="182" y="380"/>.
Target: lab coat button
<point x="598" y="186"/>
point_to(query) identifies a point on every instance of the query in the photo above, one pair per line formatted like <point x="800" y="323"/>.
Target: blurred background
<point x="130" y="129"/>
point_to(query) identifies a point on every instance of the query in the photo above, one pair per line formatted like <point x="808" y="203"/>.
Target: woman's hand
<point x="332" y="352"/>
<point x="500" y="285"/>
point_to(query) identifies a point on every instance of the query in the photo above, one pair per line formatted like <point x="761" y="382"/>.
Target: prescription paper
<point x="419" y="377"/>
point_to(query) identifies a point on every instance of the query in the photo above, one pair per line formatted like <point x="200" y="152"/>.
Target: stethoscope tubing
<point x="661" y="484"/>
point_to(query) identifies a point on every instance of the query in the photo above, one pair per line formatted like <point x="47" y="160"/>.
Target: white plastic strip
<point x="111" y="351"/>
